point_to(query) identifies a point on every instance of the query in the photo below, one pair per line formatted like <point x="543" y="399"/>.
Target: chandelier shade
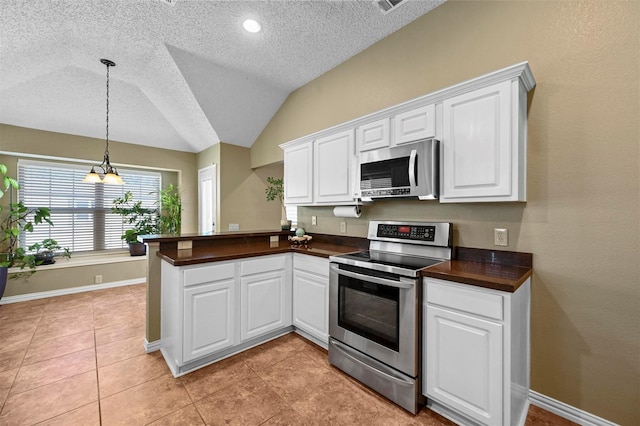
<point x="110" y="173"/>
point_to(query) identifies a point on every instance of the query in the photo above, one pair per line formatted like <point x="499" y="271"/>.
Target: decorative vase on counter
<point x="300" y="232"/>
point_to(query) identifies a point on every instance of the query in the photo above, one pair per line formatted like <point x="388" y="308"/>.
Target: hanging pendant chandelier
<point x="109" y="172"/>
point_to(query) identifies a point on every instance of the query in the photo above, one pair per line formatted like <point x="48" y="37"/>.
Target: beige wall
<point x="582" y="218"/>
<point x="22" y="140"/>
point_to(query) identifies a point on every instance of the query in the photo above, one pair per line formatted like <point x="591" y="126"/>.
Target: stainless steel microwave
<point x="408" y="170"/>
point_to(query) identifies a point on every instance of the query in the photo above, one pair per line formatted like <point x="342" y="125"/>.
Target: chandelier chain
<point x="107" y="148"/>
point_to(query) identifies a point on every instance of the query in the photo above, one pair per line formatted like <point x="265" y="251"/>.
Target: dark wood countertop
<point x="494" y="269"/>
<point x="198" y="255"/>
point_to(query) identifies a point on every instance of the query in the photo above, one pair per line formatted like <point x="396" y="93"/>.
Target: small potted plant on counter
<point x="142" y="219"/>
<point x="275" y="190"/>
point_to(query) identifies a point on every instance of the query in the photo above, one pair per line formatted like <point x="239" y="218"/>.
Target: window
<point x="80" y="212"/>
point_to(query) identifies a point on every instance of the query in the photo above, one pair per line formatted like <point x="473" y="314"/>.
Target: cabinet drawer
<point x="261" y="265"/>
<point x="314" y="265"/>
<point x="463" y="298"/>
<point x="204" y="274"/>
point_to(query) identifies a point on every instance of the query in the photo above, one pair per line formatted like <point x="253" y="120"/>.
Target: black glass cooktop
<point x="386" y="261"/>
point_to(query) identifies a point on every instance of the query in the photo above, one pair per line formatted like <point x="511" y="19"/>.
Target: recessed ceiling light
<point x="251" y="25"/>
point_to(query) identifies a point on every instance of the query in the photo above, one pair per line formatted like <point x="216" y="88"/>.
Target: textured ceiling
<point x="186" y="76"/>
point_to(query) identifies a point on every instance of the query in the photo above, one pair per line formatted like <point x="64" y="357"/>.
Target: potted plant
<point x="170" y="212"/>
<point x="46" y="251"/>
<point x="143" y="221"/>
<point x="16" y="218"/>
<point x="275" y="190"/>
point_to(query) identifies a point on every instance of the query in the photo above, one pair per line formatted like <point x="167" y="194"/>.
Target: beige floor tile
<point x="127" y="313"/>
<point x="188" y="416"/>
<point x="40" y="350"/>
<point x="12" y="358"/>
<point x="63" y="326"/>
<point x="297" y="377"/>
<point x="88" y="415"/>
<point x="212" y="378"/>
<point x="16" y="337"/>
<point x="6" y="380"/>
<point x="51" y="370"/>
<point x="119" y="351"/>
<point x="289" y="417"/>
<point x="250" y="402"/>
<point x="49" y="401"/>
<point x="22" y="310"/>
<point x="144" y="403"/>
<point x="121" y="331"/>
<point x="268" y="354"/>
<point x="69" y="302"/>
<point x="126" y="374"/>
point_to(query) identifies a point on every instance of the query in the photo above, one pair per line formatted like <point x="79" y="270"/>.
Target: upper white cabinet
<point x="321" y="171"/>
<point x="419" y="123"/>
<point x="484" y="144"/>
<point x="481" y="125"/>
<point x="333" y="168"/>
<point x="298" y="173"/>
<point x="374" y="135"/>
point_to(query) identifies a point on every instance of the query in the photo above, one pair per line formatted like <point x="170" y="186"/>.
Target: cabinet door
<point x="333" y="171"/>
<point x="311" y="304"/>
<point x="298" y="174"/>
<point x="464" y="363"/>
<point x="208" y="318"/>
<point x="373" y="135"/>
<point x="477" y="146"/>
<point x="264" y="303"/>
<point x="416" y="124"/>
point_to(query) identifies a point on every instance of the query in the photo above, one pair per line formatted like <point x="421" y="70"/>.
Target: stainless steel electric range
<point x="374" y="307"/>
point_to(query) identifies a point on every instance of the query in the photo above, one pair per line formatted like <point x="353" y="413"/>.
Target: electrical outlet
<point x="314" y="220"/>
<point x="343" y="227"/>
<point x="234" y="227"/>
<point x="500" y="237"/>
<point x="97" y="279"/>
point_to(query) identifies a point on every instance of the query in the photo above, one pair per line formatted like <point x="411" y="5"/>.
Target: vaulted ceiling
<point x="187" y="75"/>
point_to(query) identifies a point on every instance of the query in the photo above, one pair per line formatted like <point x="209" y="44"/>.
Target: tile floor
<point x="79" y="360"/>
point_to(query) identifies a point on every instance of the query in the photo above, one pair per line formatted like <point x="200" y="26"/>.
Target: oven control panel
<point x="409" y="232"/>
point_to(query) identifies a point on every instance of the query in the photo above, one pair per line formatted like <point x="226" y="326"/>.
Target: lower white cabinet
<point x="476" y="353"/>
<point x="209" y="319"/>
<point x="215" y="309"/>
<point x="265" y="295"/>
<point x="311" y="296"/>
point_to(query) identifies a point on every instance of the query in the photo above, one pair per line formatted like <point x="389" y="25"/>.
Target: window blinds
<point x="80" y="212"/>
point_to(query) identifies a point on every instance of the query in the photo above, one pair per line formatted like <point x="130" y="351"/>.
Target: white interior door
<point x="207" y="199"/>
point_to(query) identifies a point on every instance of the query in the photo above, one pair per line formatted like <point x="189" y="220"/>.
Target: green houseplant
<point x="16" y="218"/>
<point x="170" y="212"/>
<point x="275" y="191"/>
<point x="142" y="219"/>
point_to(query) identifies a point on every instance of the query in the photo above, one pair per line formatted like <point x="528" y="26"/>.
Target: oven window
<point x="369" y="310"/>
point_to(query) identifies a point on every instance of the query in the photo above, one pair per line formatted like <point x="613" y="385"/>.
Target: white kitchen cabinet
<point x="298" y="173"/>
<point x="476" y="352"/>
<point x="265" y="288"/>
<point x="334" y="168"/>
<point x="373" y="135"/>
<point x="311" y="296"/>
<point x="484" y="144"/>
<point x="416" y="124"/>
<point x="209" y="318"/>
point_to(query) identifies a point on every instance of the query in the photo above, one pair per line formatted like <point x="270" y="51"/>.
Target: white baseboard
<point x="72" y="290"/>
<point x="567" y="411"/>
<point x="149" y="347"/>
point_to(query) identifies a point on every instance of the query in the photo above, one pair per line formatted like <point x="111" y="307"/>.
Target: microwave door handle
<point x="412" y="168"/>
<point x="403" y="283"/>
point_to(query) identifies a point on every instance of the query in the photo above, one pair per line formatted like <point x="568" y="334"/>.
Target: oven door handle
<point x="380" y="369"/>
<point x="403" y="283"/>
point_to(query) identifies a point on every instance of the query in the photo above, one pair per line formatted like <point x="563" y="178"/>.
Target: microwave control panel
<point x="408" y="232"/>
